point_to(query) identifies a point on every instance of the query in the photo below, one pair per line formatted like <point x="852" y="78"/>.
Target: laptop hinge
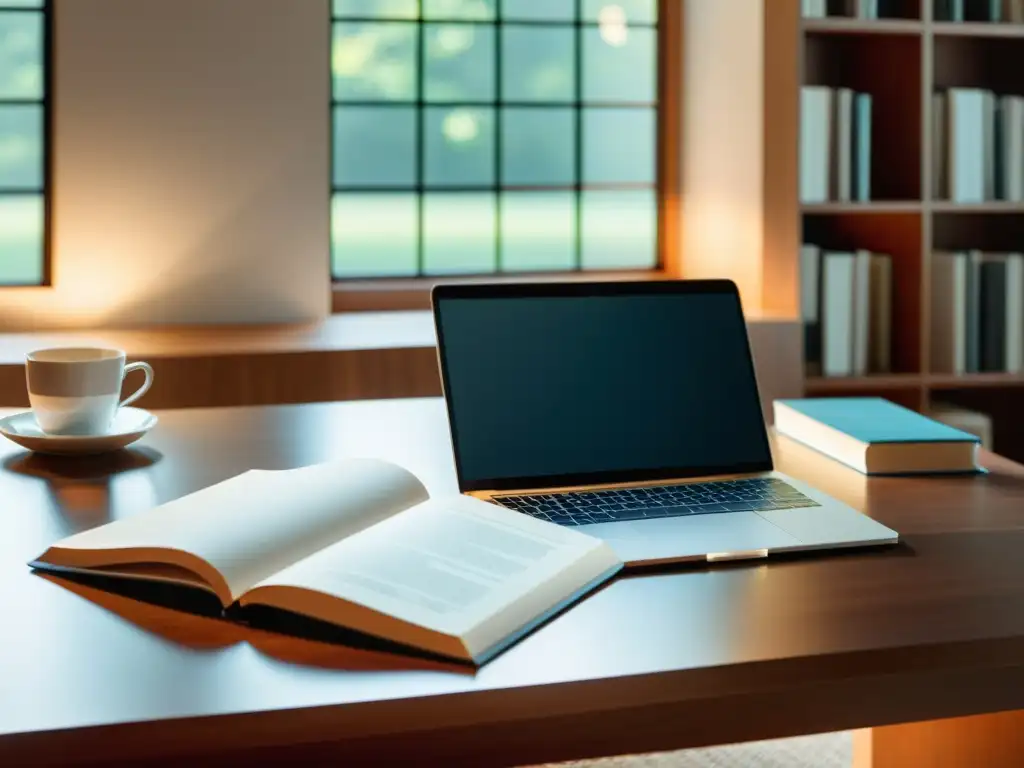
<point x="748" y="554"/>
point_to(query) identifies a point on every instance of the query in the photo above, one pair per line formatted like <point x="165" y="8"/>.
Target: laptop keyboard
<point x="613" y="505"/>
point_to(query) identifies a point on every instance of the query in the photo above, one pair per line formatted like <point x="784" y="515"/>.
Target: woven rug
<point x="829" y="750"/>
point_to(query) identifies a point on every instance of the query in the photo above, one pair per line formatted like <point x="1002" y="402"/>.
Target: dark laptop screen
<point x="572" y="389"/>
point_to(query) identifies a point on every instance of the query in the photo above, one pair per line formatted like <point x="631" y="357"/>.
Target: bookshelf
<point x="901" y="61"/>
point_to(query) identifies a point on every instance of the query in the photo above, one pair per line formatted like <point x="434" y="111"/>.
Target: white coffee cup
<point x="76" y="390"/>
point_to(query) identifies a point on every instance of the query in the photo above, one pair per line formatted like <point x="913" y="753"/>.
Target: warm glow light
<point x="612" y="25"/>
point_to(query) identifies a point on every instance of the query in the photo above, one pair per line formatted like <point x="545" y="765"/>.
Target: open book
<point x="358" y="544"/>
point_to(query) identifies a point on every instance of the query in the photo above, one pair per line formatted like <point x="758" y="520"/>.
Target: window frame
<point x="46" y="102"/>
<point x="413" y="293"/>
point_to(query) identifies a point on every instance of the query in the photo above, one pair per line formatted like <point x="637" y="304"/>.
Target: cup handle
<point x="145" y="368"/>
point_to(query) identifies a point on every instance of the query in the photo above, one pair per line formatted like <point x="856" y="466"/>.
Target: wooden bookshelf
<point x="743" y="218"/>
<point x="901" y="62"/>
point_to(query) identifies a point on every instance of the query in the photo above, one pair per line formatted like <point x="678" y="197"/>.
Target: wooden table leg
<point x="985" y="741"/>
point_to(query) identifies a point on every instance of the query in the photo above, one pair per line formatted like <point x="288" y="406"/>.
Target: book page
<point x="455" y="566"/>
<point x="252" y="525"/>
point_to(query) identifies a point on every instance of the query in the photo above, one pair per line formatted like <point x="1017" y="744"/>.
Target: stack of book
<point x="835" y="144"/>
<point x="858" y="9"/>
<point x="977" y="146"/>
<point x="846" y="305"/>
<point x="977" y="307"/>
<point x="980" y="10"/>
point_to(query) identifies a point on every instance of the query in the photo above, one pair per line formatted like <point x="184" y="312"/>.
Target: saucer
<point x="129" y="425"/>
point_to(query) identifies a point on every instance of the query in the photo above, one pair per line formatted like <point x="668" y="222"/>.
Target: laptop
<point x="628" y="410"/>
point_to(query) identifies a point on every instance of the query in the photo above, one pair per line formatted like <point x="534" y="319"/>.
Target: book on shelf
<point x="835" y="145"/>
<point x="875" y="436"/>
<point x="977" y="146"/>
<point x="358" y="544"/>
<point x="858" y="9"/>
<point x="974" y="422"/>
<point x="995" y="11"/>
<point x="977" y="312"/>
<point x="846" y="306"/>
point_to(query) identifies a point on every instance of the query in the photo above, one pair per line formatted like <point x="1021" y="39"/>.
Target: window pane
<point x="475" y="10"/>
<point x="459" y="62"/>
<point x="539" y="10"/>
<point x="21" y="55"/>
<point x="373" y="234"/>
<point x="620" y="68"/>
<point x="375" y="9"/>
<point x="458" y="233"/>
<point x="539" y="63"/>
<point x="374" y="146"/>
<point x="634" y="11"/>
<point x="618" y="146"/>
<point x="619" y="229"/>
<point x="459" y="146"/>
<point x="21" y="147"/>
<point x="538" y="231"/>
<point x="538" y="146"/>
<point x="374" y="61"/>
<point x="21" y="239"/>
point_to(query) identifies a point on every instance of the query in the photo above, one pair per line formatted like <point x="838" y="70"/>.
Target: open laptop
<point x="630" y="410"/>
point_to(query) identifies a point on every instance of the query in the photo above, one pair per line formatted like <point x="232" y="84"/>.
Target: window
<point x="24" y="40"/>
<point x="484" y="136"/>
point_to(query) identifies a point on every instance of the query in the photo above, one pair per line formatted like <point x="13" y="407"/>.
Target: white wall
<point x="722" y="157"/>
<point x="191" y="165"/>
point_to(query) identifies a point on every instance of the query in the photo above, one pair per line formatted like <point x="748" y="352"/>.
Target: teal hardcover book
<point x="876" y="436"/>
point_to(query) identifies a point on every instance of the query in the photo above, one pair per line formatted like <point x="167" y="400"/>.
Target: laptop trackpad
<point x="692" y="536"/>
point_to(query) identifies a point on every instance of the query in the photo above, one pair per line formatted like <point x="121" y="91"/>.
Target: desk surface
<point x="675" y="658"/>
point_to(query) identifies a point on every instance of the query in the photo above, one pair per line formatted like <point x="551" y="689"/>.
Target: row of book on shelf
<point x="853" y="8"/>
<point x="835" y="144"/>
<point x="977" y="146"/>
<point x="1011" y="11"/>
<point x="977" y="312"/>
<point x="846" y="305"/>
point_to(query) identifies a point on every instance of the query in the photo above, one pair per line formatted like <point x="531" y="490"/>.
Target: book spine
<point x="966" y="142"/>
<point x="973" y="313"/>
<point x="1014" y="127"/>
<point x="989" y="144"/>
<point x="842" y="156"/>
<point x="837" y="314"/>
<point x="815" y="143"/>
<point x="993" y="315"/>
<point x="940" y="184"/>
<point x="880" y="334"/>
<point x="810" y="304"/>
<point x="1014" y="326"/>
<point x="861" y="312"/>
<point x="956" y="10"/>
<point x="862" y="137"/>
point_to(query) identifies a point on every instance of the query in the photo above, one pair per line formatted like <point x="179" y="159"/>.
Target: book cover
<point x="877" y="420"/>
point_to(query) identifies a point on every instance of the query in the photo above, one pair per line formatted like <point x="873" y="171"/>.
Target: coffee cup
<point x="77" y="390"/>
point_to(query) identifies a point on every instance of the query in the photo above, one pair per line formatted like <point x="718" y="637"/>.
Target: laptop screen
<point x="570" y="385"/>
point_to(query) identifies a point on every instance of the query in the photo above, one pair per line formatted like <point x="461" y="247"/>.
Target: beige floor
<point x="830" y="750"/>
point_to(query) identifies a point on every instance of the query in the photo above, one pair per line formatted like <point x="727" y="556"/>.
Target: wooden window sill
<point x="414" y="293"/>
<point x="349" y="356"/>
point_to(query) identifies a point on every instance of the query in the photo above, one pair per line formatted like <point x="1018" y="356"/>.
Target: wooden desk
<point x="932" y="629"/>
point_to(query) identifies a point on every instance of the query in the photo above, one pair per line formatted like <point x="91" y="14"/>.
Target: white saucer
<point x="129" y="425"/>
